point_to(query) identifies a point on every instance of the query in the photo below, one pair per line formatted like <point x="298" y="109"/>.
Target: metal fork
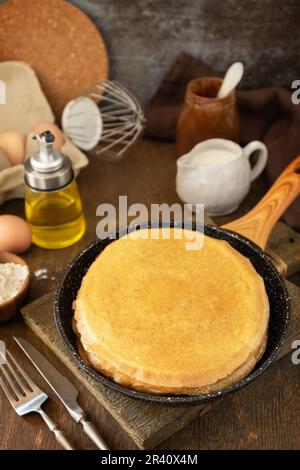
<point x="25" y="396"/>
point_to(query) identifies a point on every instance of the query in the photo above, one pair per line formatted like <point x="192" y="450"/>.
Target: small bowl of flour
<point x="14" y="284"/>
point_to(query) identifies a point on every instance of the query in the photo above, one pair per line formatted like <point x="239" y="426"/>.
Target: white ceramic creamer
<point x="218" y="174"/>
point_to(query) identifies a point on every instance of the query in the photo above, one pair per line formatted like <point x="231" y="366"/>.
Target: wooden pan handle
<point x="259" y="222"/>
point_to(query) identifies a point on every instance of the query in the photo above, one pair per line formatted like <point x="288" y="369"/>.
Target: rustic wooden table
<point x="264" y="415"/>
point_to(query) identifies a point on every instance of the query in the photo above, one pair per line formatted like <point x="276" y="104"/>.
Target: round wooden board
<point x="59" y="41"/>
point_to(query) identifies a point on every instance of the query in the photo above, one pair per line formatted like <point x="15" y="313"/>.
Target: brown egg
<point x="15" y="234"/>
<point x="4" y="162"/>
<point x="13" y="144"/>
<point x="58" y="134"/>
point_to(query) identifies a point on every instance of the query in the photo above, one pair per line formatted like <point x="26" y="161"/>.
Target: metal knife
<point x="64" y="389"/>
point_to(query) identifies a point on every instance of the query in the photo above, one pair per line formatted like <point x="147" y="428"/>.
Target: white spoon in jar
<point x="232" y="78"/>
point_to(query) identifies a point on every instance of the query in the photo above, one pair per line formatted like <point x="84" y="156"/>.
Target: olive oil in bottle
<point x="52" y="202"/>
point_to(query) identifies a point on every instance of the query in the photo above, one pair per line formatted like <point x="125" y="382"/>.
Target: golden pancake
<point x="158" y="317"/>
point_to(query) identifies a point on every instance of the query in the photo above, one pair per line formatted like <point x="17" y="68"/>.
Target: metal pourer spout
<point x="46" y="159"/>
<point x="45" y="140"/>
<point x="47" y="169"/>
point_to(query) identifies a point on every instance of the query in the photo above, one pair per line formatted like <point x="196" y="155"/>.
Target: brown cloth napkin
<point x="267" y="114"/>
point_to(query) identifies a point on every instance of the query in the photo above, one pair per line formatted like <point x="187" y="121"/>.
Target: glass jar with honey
<point x="204" y="116"/>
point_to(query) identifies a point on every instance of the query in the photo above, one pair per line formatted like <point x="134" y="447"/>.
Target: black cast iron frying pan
<point x="248" y="235"/>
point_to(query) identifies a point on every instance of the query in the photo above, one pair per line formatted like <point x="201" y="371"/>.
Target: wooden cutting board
<point x="149" y="424"/>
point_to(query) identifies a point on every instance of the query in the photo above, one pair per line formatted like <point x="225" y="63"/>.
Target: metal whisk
<point x="122" y="116"/>
<point x="108" y="120"/>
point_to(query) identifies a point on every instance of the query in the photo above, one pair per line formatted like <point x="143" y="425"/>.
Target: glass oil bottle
<point x="52" y="202"/>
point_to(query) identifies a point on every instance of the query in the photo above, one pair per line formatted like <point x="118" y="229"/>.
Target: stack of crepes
<point x="158" y="317"/>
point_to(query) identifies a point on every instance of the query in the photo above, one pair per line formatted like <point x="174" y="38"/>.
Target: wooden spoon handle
<point x="259" y="222"/>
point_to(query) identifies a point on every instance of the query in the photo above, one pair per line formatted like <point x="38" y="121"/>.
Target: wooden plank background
<point x="264" y="415"/>
<point x="142" y="39"/>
